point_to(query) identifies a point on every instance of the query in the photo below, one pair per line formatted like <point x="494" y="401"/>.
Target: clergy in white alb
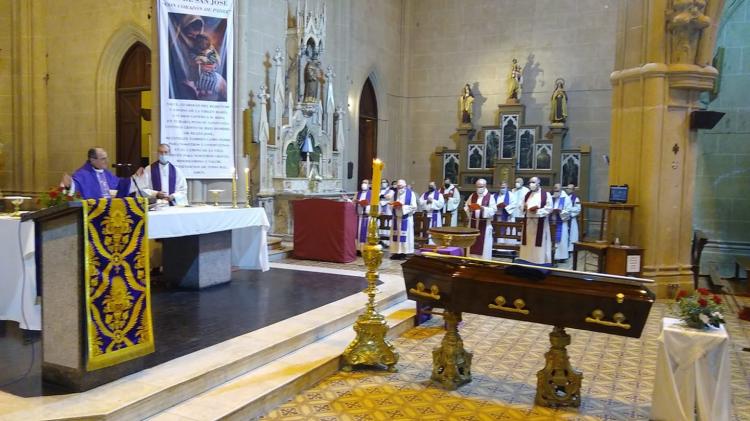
<point x="519" y="192"/>
<point x="363" y="214"/>
<point x="452" y="199"/>
<point x="386" y="197"/>
<point x="431" y="203"/>
<point x="506" y="209"/>
<point x="480" y="207"/>
<point x="164" y="180"/>
<point x="575" y="210"/>
<point x="561" y="217"/>
<point x="403" y="206"/>
<point x="536" y="245"/>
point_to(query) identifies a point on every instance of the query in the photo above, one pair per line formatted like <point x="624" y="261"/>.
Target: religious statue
<point x="515" y="79"/>
<point x="263" y="96"/>
<point x="686" y="22"/>
<point x="466" y="104"/>
<point x="312" y="78"/>
<point x="558" y="110"/>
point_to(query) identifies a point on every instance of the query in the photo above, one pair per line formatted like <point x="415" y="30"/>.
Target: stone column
<point x="661" y="67"/>
<point x="29" y="80"/>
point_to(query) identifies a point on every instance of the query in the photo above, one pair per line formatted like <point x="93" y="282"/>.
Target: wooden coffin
<point x="581" y="300"/>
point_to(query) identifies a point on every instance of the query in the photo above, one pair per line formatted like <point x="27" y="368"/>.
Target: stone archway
<point x="368" y="130"/>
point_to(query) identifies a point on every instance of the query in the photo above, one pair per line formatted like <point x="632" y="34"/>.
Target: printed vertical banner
<point x="196" y="59"/>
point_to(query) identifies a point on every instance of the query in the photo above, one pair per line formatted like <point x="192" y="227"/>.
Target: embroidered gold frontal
<point x="118" y="301"/>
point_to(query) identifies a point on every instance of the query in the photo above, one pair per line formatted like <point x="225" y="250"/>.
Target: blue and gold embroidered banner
<point x="118" y="298"/>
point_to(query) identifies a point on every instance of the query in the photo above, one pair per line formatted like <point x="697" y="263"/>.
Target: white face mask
<point x="532" y="186"/>
<point x="384" y="186"/>
<point x="364" y="186"/>
<point x="481" y="190"/>
<point x="164" y="159"/>
<point x="518" y="185"/>
<point x="503" y="190"/>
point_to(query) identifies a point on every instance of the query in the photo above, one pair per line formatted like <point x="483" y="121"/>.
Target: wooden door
<point x="133" y="77"/>
<point x="368" y="131"/>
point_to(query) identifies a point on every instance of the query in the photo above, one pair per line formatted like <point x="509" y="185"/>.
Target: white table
<point x="18" y="274"/>
<point x="249" y="228"/>
<point x="692" y="369"/>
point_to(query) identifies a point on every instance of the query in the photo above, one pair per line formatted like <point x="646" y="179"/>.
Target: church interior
<point x="374" y="210"/>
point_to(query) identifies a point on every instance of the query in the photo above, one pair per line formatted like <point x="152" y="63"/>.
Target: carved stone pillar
<point x="661" y="67"/>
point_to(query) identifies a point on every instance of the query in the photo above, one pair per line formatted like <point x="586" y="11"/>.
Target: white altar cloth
<point x="18" y="293"/>
<point x="18" y="274"/>
<point x="249" y="228"/>
<point x="692" y="369"/>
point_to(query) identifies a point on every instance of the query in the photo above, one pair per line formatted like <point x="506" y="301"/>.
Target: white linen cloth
<point x="18" y="275"/>
<point x="249" y="228"/>
<point x="692" y="369"/>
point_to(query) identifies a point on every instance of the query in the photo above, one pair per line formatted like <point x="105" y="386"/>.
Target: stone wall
<point x="455" y="42"/>
<point x="722" y="184"/>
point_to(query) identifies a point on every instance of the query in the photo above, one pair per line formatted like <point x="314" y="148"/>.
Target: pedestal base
<point x="558" y="383"/>
<point x="451" y="363"/>
<point x="370" y="346"/>
<point x="198" y="261"/>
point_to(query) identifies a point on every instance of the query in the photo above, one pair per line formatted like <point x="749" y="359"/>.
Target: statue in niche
<point x="515" y="80"/>
<point x="312" y="74"/>
<point x="686" y="22"/>
<point x="558" y="110"/>
<point x="466" y="104"/>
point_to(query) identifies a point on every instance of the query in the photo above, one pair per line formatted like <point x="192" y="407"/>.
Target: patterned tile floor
<point x="618" y="374"/>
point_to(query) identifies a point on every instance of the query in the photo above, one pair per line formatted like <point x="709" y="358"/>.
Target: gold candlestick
<point x="234" y="188"/>
<point x="370" y="346"/>
<point x="247" y="188"/>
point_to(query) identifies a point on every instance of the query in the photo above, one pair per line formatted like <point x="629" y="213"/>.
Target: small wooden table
<point x="599" y="249"/>
<point x="741" y="262"/>
<point x="605" y="233"/>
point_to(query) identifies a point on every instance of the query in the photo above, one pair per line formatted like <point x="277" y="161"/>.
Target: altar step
<point x="279" y="249"/>
<point x="263" y="389"/>
<point x="245" y="375"/>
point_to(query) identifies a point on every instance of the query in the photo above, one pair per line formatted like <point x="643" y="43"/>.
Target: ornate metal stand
<point x="451" y="363"/>
<point x="558" y="384"/>
<point x="370" y="347"/>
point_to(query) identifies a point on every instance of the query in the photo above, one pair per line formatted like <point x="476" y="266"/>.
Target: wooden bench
<point x="384" y="228"/>
<point x="741" y="262"/>
<point x="421" y="230"/>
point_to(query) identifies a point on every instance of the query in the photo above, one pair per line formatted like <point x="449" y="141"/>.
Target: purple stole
<point x="558" y="228"/>
<point x="87" y="183"/>
<point x="540" y="224"/>
<point x="504" y="215"/>
<point x="480" y="224"/>
<point x="364" y="218"/>
<point x="400" y="235"/>
<point x="156" y="177"/>
<point x="434" y="215"/>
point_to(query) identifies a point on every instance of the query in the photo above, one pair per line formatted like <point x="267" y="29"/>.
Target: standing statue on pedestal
<point x="466" y="106"/>
<point x="558" y="110"/>
<point x="515" y="80"/>
<point x="312" y="79"/>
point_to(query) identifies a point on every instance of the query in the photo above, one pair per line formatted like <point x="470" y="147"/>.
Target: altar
<point x="243" y="232"/>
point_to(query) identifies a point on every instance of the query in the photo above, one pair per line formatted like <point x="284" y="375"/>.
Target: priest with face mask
<point x="506" y="209"/>
<point x="480" y="207"/>
<point x="575" y="210"/>
<point x="536" y="245"/>
<point x="561" y="216"/>
<point x="363" y="214"/>
<point x="163" y="180"/>
<point x="403" y="206"/>
<point x="452" y="198"/>
<point x="431" y="203"/>
<point x="519" y="193"/>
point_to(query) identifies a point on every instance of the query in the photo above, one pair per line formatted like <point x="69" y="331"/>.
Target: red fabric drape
<point x="325" y="230"/>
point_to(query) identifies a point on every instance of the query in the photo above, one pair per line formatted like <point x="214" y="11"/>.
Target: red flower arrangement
<point x="56" y="196"/>
<point x="699" y="309"/>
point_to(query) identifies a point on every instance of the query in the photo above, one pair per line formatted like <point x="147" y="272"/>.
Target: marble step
<point x="154" y="390"/>
<point x="259" y="391"/>
<point x="274" y="243"/>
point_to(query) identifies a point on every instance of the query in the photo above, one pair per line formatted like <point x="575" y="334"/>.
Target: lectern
<point x="96" y="317"/>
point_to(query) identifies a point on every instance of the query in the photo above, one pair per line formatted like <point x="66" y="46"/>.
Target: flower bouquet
<point x="699" y="309"/>
<point x="56" y="196"/>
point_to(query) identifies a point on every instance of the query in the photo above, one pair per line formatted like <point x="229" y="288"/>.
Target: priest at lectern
<point x="94" y="181"/>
